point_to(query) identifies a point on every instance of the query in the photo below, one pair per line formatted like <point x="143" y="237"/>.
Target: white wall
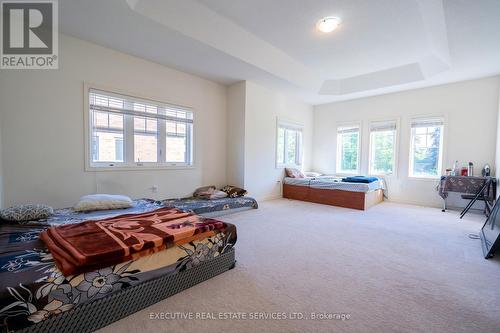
<point x="236" y="102"/>
<point x="42" y="127"/>
<point x="470" y="109"/>
<point x="263" y="108"/>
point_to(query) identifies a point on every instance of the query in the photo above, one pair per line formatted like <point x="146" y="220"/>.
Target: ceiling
<point x="381" y="46"/>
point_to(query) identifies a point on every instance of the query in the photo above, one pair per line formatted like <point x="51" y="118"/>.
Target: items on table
<point x="470" y="169"/>
<point x="465" y="171"/>
<point x="486" y="170"/>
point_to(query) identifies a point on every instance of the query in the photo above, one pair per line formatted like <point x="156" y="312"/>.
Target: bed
<point x="333" y="191"/>
<point x="212" y="208"/>
<point x="36" y="297"/>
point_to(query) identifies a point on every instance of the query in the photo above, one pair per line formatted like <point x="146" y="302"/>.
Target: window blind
<point x="428" y="122"/>
<point x="380" y="126"/>
<point x="289" y="126"/>
<point x="347" y="129"/>
<point x="121" y="104"/>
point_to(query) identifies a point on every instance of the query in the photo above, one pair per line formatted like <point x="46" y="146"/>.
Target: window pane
<point x="101" y="119"/>
<point x="139" y="124"/>
<point x="115" y="103"/>
<point x="139" y="107"/>
<point x="349" y="145"/>
<point x="107" y="137"/>
<point x="119" y="149"/>
<point x="281" y="146"/>
<point x="151" y="125"/>
<point x="176" y="149"/>
<point x="426" y="151"/>
<point x="382" y="152"/>
<point x="116" y="121"/>
<point x="107" y="147"/>
<point x="181" y="129"/>
<point x="145" y="140"/>
<point x="145" y="148"/>
<point x="291" y="146"/>
<point x="177" y="142"/>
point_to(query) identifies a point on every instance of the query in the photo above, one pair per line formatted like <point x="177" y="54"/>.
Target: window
<point x="130" y="132"/>
<point x="289" y="145"/>
<point x="382" y="148"/>
<point x="426" y="148"/>
<point x="348" y="140"/>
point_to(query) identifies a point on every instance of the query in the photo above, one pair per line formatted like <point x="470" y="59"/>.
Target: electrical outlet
<point x="154" y="189"/>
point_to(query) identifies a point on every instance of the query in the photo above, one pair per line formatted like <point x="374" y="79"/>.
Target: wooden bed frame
<point x="347" y="199"/>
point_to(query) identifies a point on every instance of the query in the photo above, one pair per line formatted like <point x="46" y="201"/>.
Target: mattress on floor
<point x="32" y="289"/>
<point x="68" y="215"/>
<point x="212" y="207"/>
<point x="333" y="183"/>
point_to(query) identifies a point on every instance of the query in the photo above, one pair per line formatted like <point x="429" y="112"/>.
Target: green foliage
<point x="350" y="144"/>
<point x="426" y="153"/>
<point x="382" y="152"/>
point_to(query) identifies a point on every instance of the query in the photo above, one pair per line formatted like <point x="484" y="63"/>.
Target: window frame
<point x="285" y="124"/>
<point x="441" y="148"/>
<point x="395" y="147"/>
<point x="128" y="136"/>
<point x="338" y="162"/>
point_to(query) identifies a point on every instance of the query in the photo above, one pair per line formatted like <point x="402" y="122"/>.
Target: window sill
<point x="138" y="168"/>
<point x="382" y="174"/>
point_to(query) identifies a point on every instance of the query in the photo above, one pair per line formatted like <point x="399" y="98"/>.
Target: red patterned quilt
<point x="91" y="245"/>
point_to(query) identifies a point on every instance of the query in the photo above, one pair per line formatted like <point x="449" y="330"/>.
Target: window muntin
<point x="289" y="145"/>
<point x="348" y="149"/>
<point x="131" y="132"/>
<point x="382" y="154"/>
<point x="426" y="148"/>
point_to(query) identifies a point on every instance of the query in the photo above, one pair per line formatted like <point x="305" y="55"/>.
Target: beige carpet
<point x="393" y="268"/>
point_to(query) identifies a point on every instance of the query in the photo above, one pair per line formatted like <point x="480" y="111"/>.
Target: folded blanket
<point x="359" y="179"/>
<point x="92" y="245"/>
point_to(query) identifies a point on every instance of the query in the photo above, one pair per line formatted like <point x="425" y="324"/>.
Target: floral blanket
<point x="33" y="289"/>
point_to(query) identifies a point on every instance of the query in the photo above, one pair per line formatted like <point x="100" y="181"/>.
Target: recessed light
<point x="328" y="24"/>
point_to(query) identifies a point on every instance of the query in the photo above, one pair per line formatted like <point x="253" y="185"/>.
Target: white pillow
<point x="312" y="174"/>
<point x="102" y="202"/>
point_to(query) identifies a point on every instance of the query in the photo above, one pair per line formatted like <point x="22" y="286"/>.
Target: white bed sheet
<point x="335" y="183"/>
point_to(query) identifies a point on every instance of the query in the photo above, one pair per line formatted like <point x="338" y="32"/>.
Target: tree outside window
<point x="426" y="149"/>
<point x="348" y="139"/>
<point x="382" y="147"/>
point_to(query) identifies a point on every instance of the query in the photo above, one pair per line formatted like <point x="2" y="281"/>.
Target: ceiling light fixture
<point x="328" y="24"/>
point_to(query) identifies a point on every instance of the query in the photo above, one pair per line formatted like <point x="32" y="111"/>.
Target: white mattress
<point x="333" y="183"/>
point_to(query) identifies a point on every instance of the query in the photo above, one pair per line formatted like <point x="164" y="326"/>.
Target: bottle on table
<point x="455" y="171"/>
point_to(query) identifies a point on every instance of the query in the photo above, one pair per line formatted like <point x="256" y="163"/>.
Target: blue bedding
<point x="360" y="179"/>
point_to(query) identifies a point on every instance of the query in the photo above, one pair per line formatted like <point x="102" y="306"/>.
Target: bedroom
<point x="154" y="99"/>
